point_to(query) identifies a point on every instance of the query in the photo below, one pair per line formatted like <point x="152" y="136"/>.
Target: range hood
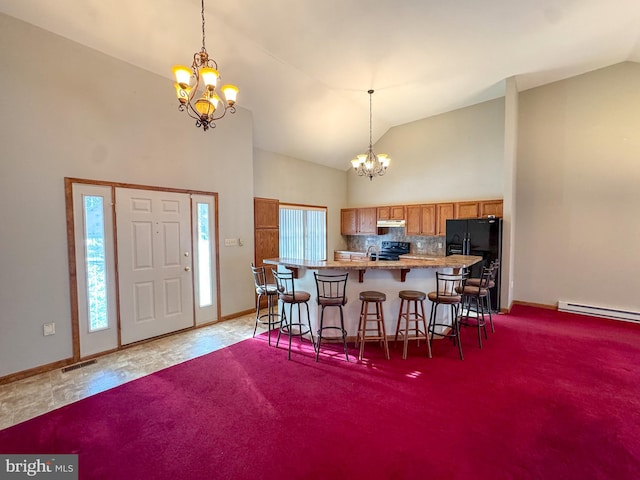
<point x="390" y="223"/>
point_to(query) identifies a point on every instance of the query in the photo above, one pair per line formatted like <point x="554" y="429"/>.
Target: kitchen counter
<point x="405" y="264"/>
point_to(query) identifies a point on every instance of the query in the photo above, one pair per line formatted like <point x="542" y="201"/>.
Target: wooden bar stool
<point x="415" y="323"/>
<point x="377" y="317"/>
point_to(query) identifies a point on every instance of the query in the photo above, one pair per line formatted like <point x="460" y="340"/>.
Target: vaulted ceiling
<point x="304" y="66"/>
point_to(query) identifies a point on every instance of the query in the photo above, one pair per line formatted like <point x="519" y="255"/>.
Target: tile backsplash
<point x="419" y="245"/>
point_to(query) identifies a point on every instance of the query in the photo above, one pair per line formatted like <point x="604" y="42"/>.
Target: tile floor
<point x="33" y="396"/>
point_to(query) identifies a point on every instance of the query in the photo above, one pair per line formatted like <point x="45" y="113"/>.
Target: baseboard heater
<point x="598" y="311"/>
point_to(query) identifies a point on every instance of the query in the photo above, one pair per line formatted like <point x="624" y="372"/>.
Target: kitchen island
<point x="411" y="272"/>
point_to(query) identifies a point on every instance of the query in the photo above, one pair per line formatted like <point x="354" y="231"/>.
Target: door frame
<point x="71" y="254"/>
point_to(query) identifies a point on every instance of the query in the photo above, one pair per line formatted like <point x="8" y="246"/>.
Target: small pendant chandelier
<point x="369" y="164"/>
<point x="209" y="107"/>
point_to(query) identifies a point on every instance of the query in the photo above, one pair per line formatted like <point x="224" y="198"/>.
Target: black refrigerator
<point x="481" y="237"/>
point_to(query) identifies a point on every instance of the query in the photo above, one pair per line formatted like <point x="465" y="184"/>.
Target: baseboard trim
<point x="12" y="377"/>
<point x="35" y="371"/>
<point x="532" y="304"/>
<point x="237" y="314"/>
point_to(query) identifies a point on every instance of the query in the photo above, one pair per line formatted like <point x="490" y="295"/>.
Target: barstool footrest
<point x="303" y="329"/>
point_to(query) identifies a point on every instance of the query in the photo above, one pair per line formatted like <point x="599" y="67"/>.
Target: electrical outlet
<point x="49" y="328"/>
<point x="439" y="244"/>
<point x="230" y="242"/>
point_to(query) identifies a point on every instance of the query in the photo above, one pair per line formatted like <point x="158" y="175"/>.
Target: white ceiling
<point x="304" y="66"/>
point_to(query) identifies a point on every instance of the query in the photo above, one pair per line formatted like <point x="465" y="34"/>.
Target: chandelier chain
<point x="370" y="120"/>
<point x="203" y="46"/>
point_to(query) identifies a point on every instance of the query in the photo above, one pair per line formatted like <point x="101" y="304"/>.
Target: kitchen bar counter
<point x="381" y="276"/>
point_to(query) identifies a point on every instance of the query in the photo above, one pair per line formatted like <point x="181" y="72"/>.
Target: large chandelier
<point x="209" y="107"/>
<point x="369" y="164"/>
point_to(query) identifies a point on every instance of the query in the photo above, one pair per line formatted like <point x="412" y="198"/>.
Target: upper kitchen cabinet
<point x="478" y="209"/>
<point x="421" y="220"/>
<point x="467" y="210"/>
<point x="266" y="213"/>
<point x="444" y="212"/>
<point x="491" y="207"/>
<point x="358" y="221"/>
<point x="395" y="212"/>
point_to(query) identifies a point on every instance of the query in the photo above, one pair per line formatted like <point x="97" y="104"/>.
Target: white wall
<point x="69" y="111"/>
<point x="578" y="190"/>
<point x="296" y="181"/>
<point x="454" y="156"/>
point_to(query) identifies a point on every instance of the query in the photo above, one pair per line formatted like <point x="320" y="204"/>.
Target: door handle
<point x="187" y="268"/>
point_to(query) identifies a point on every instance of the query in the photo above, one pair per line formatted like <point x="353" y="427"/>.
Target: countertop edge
<point x="452" y="261"/>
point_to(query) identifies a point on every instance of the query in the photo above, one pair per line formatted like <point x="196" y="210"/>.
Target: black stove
<point x="393" y="250"/>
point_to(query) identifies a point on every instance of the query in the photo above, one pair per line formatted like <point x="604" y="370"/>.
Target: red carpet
<point x="550" y="396"/>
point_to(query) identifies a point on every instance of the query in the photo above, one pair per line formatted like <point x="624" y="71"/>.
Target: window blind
<point x="303" y="232"/>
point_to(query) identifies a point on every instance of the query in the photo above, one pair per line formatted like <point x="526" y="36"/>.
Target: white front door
<point x="154" y="263"/>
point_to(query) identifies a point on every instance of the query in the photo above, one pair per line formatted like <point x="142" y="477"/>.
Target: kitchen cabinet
<point x="444" y="212"/>
<point x="478" y="209"/>
<point x="266" y="213"/>
<point x="349" y="256"/>
<point x="421" y="220"/>
<point x="349" y="221"/>
<point x="266" y="233"/>
<point x="467" y="210"/>
<point x="394" y="212"/>
<point x="358" y="221"/>
<point x="491" y="207"/>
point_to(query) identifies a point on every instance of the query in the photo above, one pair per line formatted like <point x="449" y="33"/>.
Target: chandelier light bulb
<point x="183" y="75"/>
<point x="209" y="77"/>
<point x="230" y="94"/>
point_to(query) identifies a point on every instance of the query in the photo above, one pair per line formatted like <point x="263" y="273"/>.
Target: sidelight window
<point x="96" y="266"/>
<point x="204" y="273"/>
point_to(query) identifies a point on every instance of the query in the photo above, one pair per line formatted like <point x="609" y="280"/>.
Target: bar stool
<point x="288" y="295"/>
<point x="331" y="290"/>
<point x="476" y="292"/>
<point x="271" y="318"/>
<point x="415" y="298"/>
<point x="477" y="282"/>
<point x="448" y="292"/>
<point x="380" y="335"/>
